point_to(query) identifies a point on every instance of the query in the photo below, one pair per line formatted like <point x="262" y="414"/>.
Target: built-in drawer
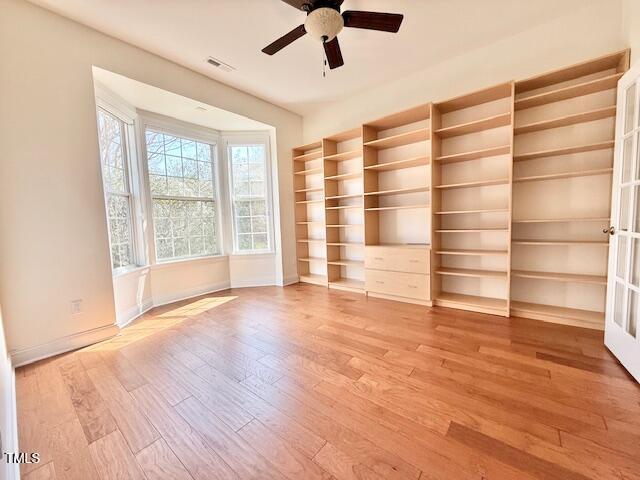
<point x="398" y="259"/>
<point x="408" y="285"/>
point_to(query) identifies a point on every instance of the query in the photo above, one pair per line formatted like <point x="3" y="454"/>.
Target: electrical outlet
<point x="76" y="307"/>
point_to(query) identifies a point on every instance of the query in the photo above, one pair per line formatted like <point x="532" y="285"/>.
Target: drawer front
<point x="397" y="259"/>
<point x="409" y="285"/>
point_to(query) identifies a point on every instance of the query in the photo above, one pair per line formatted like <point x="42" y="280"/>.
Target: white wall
<point x="54" y="245"/>
<point x="584" y="34"/>
<point x="8" y="437"/>
<point x="631" y="26"/>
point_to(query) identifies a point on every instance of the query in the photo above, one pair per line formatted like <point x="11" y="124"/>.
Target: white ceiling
<point x="234" y="31"/>
<point x="156" y="100"/>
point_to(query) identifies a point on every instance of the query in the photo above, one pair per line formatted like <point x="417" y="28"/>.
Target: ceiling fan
<point x="325" y="22"/>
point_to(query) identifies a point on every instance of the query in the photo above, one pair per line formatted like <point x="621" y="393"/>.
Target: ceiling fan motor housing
<point x="324" y="23"/>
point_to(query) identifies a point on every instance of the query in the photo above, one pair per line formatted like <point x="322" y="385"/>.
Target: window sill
<point x="123" y="272"/>
<point x="187" y="261"/>
<point x="253" y="255"/>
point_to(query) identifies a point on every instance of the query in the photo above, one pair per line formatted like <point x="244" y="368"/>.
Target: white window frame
<point x="231" y="139"/>
<point x="114" y="106"/>
<point x="170" y="126"/>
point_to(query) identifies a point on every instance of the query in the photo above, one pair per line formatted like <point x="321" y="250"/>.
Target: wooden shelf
<point x="311" y="171"/>
<point x="313" y="259"/>
<point x="346" y="225"/>
<point x="345" y="244"/>
<point x="351" y="134"/>
<point x="310" y="201"/>
<point x="561" y="277"/>
<point x="488" y="123"/>
<point x="582" y="69"/>
<point x="556" y="152"/>
<point x="473" y="99"/>
<point x="399" y="191"/>
<point x="400" y="139"/>
<point x="309" y="223"/>
<point x="475" y="230"/>
<point x="562" y="220"/>
<point x="495" y="306"/>
<point x="400" y="164"/>
<point x="310" y="190"/>
<point x="573" y="91"/>
<point x="474" y="155"/>
<point x="347" y="284"/>
<point x="479" y="183"/>
<point x="309" y="146"/>
<point x="560" y="242"/>
<point x="345" y="176"/>
<point x="567" y="120"/>
<point x="398" y="207"/>
<point x="339" y="157"/>
<point x="557" y="176"/>
<point x="465" y="272"/>
<point x="347" y="263"/>
<point x="308" y="156"/>
<point x="311" y="240"/>
<point x="405" y="117"/>
<point x="314" y="279"/>
<point x="346" y="207"/>
<point x="553" y="314"/>
<point x="344" y="197"/>
<point x="470" y="252"/>
<point x="465" y="212"/>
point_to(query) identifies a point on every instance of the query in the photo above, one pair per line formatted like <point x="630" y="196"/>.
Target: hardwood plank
<point x="158" y="462"/>
<point x="199" y="460"/>
<point x="133" y="425"/>
<point x="94" y="416"/>
<point x="292" y="463"/>
<point x="45" y="472"/>
<point x="232" y="448"/>
<point x="511" y="456"/>
<point x="343" y="466"/>
<point x="113" y="459"/>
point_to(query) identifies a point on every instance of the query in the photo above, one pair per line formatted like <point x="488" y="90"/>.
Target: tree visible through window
<point x="249" y="191"/>
<point x="115" y="176"/>
<point x="182" y="186"/>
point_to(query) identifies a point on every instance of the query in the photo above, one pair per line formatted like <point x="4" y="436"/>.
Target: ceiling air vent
<point x="220" y="64"/>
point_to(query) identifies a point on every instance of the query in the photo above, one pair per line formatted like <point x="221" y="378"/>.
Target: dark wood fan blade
<point x="385" y="22"/>
<point x="282" y="42"/>
<point x="334" y="54"/>
<point x="298" y="3"/>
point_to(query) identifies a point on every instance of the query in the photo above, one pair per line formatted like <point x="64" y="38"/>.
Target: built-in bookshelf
<point x="344" y="210"/>
<point x="563" y="163"/>
<point x="471" y="181"/>
<point x="493" y="201"/>
<point x="308" y="187"/>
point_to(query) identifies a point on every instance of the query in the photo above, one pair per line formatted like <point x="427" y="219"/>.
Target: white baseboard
<point x="290" y="280"/>
<point x="125" y="318"/>
<point x="61" y="345"/>
<point x="187" y="294"/>
<point x="267" y="282"/>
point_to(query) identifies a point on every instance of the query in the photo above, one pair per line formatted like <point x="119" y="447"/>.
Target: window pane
<point x="249" y="191"/>
<point x="627" y="153"/>
<point x="630" y="104"/>
<point x="633" y="313"/>
<point x="115" y="180"/>
<point x="623" y="221"/>
<point x="621" y="269"/>
<point x="618" y="308"/>
<point x="635" y="265"/>
<point x="184" y="228"/>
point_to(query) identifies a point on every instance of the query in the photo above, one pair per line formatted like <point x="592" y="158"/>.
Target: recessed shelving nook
<point x="308" y="186"/>
<point x="492" y="201"/>
<point x="563" y="162"/>
<point x="471" y="181"/>
<point x="344" y="210"/>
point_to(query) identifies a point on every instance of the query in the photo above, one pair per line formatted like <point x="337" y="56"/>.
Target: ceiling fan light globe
<point x="324" y="24"/>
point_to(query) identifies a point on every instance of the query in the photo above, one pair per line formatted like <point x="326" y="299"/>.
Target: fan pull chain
<point x="324" y="60"/>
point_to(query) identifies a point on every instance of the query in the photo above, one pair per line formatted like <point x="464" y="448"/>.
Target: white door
<point x="623" y="285"/>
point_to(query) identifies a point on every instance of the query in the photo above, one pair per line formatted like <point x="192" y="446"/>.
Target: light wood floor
<point x="301" y="383"/>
